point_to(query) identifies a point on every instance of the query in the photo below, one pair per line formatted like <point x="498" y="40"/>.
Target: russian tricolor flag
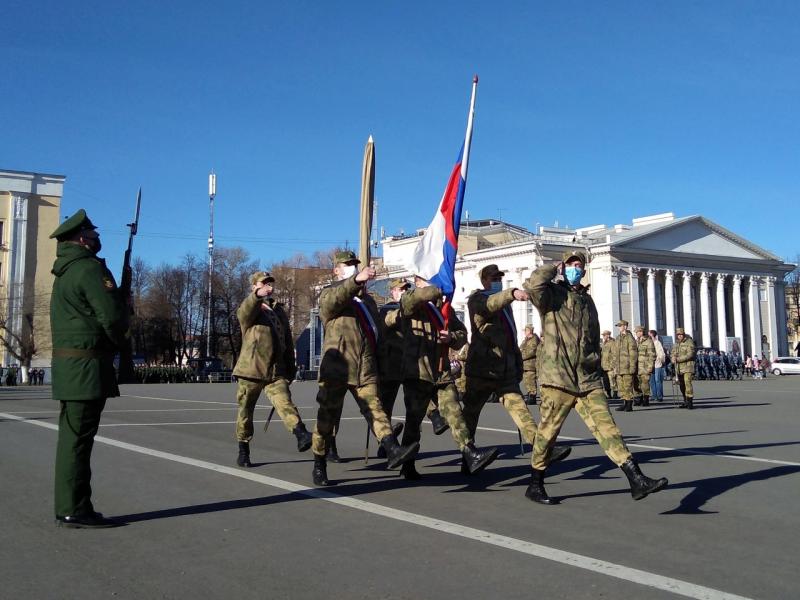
<point x="434" y="257"/>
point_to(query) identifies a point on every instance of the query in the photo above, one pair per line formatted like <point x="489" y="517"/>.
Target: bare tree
<point x="793" y="302"/>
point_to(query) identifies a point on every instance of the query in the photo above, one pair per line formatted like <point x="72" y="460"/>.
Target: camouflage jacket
<point x="390" y="343"/>
<point x="570" y="352"/>
<point x="682" y="355"/>
<point x="88" y="320"/>
<point x="607" y="353"/>
<point x="493" y="350"/>
<point x="424" y="357"/>
<point x="528" y="350"/>
<point x="647" y="355"/>
<point x="626" y="355"/>
<point x="349" y="353"/>
<point x="267" y="346"/>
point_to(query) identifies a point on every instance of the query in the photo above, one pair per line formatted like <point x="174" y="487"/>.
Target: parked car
<point x="785" y="365"/>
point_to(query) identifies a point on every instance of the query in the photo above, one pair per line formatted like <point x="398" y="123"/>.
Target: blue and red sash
<point x="366" y="322"/>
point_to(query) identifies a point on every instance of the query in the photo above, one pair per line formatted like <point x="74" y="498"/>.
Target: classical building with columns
<point x="660" y="271"/>
<point x="30" y="204"/>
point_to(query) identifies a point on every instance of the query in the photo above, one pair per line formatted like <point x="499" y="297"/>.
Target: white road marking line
<point x="206" y="422"/>
<point x="645" y="578"/>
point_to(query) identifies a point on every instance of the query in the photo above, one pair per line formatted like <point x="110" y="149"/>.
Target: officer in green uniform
<point x="349" y="362"/>
<point x="88" y="319"/>
<point x="570" y="374"/>
<point x="626" y="360"/>
<point x="528" y="351"/>
<point x="266" y="362"/>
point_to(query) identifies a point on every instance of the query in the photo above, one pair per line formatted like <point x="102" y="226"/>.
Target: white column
<point x="669" y="300"/>
<point x="754" y="313"/>
<point x="636" y="313"/>
<point x="686" y="293"/>
<point x="738" y="324"/>
<point x="16" y="269"/>
<point x="772" y="326"/>
<point x="651" y="299"/>
<point x="722" y="328"/>
<point x="705" y="313"/>
<point x="615" y="308"/>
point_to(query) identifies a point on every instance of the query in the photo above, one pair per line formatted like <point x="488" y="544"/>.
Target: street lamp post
<point x="212" y="191"/>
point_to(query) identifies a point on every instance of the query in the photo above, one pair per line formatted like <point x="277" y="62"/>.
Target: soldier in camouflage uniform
<point x="528" y="351"/>
<point x="626" y="360"/>
<point x="494" y="362"/>
<point x="266" y="363"/>
<point x="682" y="356"/>
<point x="645" y="365"/>
<point x="350" y="362"/>
<point x="426" y="370"/>
<point x="570" y="374"/>
<point x="607" y="350"/>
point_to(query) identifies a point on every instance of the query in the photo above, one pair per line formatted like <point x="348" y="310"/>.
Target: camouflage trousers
<point x="592" y="408"/>
<point x="330" y="398"/>
<point x="508" y="392"/>
<point x="625" y="387"/>
<point x="418" y="396"/>
<point x="643" y="384"/>
<point x="247" y="393"/>
<point x="685" y="383"/>
<point x="529" y="381"/>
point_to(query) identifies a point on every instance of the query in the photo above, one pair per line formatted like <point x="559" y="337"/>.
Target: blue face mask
<point x="497" y="286"/>
<point x="573" y="275"/>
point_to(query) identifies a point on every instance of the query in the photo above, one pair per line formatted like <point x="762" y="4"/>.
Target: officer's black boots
<point x="320" y="472"/>
<point x="536" y="491"/>
<point x="439" y="423"/>
<point x="476" y="460"/>
<point x="303" y="437"/>
<point x="92" y="520"/>
<point x="243" y="460"/>
<point x="397" y="454"/>
<point x="397" y="429"/>
<point x="332" y="454"/>
<point x="409" y="471"/>
<point x="559" y="453"/>
<point x="641" y="485"/>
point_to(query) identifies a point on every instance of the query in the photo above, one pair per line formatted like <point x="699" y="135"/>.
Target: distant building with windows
<point x="660" y="271"/>
<point x="30" y="206"/>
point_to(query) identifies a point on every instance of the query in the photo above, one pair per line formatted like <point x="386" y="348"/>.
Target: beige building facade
<point x="30" y="205"/>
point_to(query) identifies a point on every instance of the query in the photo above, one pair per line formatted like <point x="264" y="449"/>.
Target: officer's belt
<point x="78" y="353"/>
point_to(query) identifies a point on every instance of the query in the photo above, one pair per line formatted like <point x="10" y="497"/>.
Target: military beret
<point x="680" y="330"/>
<point x="570" y="254"/>
<point x="77" y="222"/>
<point x="622" y="322"/>
<point x="399" y="283"/>
<point x="261" y="276"/>
<point x="491" y="271"/>
<point x="346" y="256"/>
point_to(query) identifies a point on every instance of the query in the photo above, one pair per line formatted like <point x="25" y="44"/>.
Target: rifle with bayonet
<point x="126" y="372"/>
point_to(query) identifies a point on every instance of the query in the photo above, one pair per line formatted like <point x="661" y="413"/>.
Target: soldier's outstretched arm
<point x="497" y="302"/>
<point x="539" y="287"/>
<point x="413" y="299"/>
<point x="335" y="299"/>
<point x="248" y="311"/>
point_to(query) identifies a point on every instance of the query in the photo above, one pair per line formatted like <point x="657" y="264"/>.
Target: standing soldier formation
<point x="266" y="363"/>
<point x="528" y="350"/>
<point x="570" y="374"/>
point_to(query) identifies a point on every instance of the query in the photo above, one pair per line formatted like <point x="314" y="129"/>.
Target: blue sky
<point x="586" y="113"/>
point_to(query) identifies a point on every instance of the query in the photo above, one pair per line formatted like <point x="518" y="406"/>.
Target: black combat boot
<point x="409" y="471"/>
<point x="629" y="406"/>
<point x="621" y="407"/>
<point x="439" y="422"/>
<point x="320" y="472"/>
<point x="476" y="460"/>
<point x="645" y="400"/>
<point x="683" y="404"/>
<point x="637" y="401"/>
<point x="397" y="454"/>
<point x="689" y="402"/>
<point x="641" y="485"/>
<point x="303" y="437"/>
<point x="332" y="454"/>
<point x="397" y="429"/>
<point x="536" y="491"/>
<point x="243" y="460"/>
<point x="559" y="453"/>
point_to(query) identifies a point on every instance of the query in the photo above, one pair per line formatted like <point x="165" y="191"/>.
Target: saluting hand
<point x="366" y="274"/>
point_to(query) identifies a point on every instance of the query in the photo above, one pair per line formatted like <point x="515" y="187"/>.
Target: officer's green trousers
<point x="77" y="426"/>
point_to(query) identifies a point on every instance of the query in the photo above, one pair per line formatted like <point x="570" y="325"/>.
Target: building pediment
<point x="694" y="235"/>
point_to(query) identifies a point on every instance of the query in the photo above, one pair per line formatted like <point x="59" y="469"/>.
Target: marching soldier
<point x="494" y="363"/>
<point x="528" y="351"/>
<point x="88" y="317"/>
<point x="645" y="365"/>
<point x="427" y="373"/>
<point x="571" y="374"/>
<point x="626" y="357"/>
<point x="682" y="357"/>
<point x="266" y="363"/>
<point x="607" y="364"/>
<point x="349" y="362"/>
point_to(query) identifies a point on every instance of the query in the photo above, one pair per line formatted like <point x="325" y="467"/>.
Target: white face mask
<point x="347" y="271"/>
<point x="497" y="286"/>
